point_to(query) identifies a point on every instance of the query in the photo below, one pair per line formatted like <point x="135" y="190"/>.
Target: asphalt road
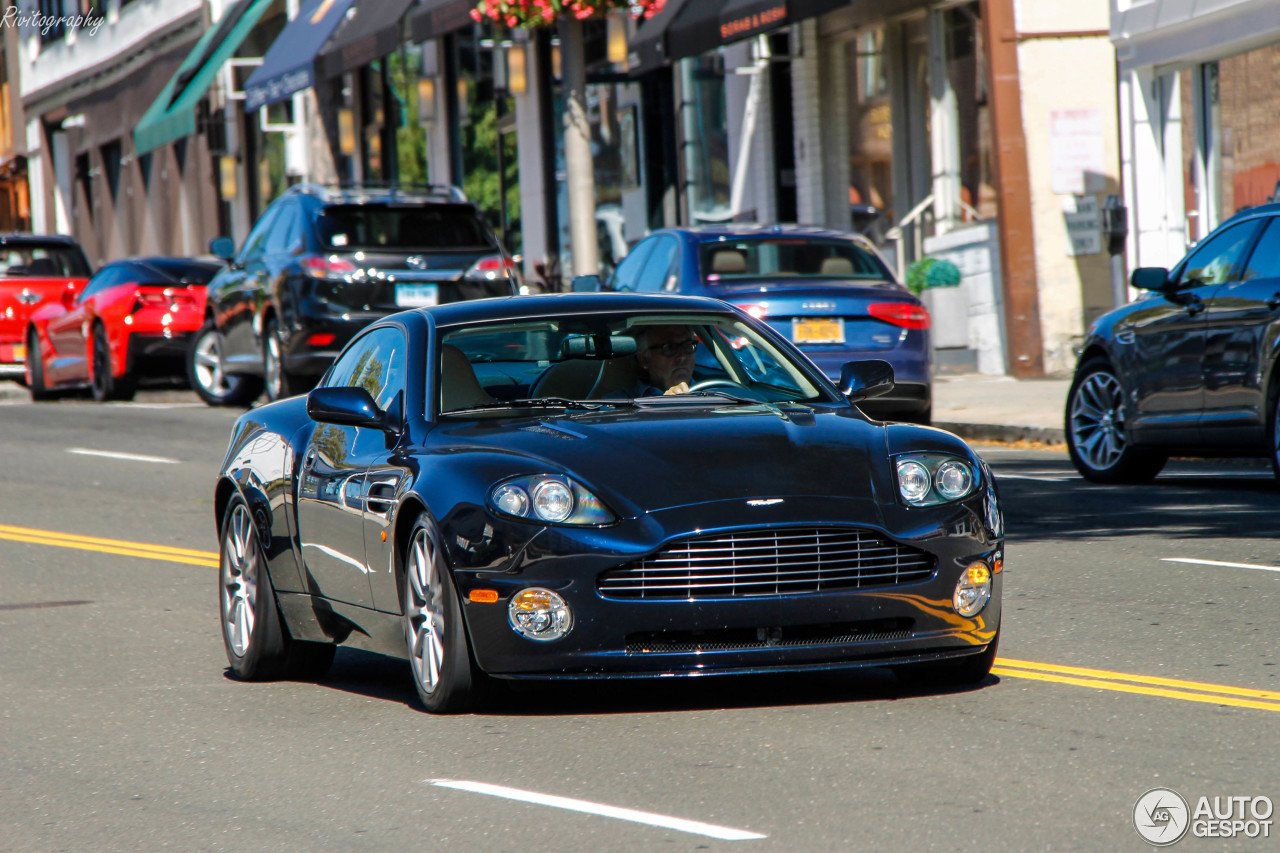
<point x="120" y="730"/>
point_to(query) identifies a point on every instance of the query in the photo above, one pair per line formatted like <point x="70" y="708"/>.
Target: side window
<point x="624" y="277"/>
<point x="284" y="231"/>
<point x="256" y="244"/>
<point x="656" y="269"/>
<point x="1265" y="260"/>
<point x="376" y="363"/>
<point x="109" y="277"/>
<point x="1219" y="259"/>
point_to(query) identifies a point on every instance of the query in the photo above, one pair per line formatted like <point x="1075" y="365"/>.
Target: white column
<point x="579" y="163"/>
<point x="806" y="73"/>
<point x="944" y="133"/>
<point x="539" y="243"/>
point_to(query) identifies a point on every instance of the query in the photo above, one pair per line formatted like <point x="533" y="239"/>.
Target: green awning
<point x="173" y="115"/>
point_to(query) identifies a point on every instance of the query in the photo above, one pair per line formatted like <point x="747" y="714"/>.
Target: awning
<point x="740" y="19"/>
<point x="368" y="35"/>
<point x="290" y="63"/>
<point x="695" y="30"/>
<point x="435" y="18"/>
<point x="173" y="114"/>
<point x="648" y="48"/>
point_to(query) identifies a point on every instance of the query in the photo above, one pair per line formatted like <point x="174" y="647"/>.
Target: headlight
<point x="549" y="498"/>
<point x="927" y="479"/>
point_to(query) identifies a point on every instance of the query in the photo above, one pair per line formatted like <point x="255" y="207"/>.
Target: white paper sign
<point x="1084" y="225"/>
<point x="1077" y="151"/>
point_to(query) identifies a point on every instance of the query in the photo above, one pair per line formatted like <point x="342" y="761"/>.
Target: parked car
<point x="828" y="292"/>
<point x="135" y="318"/>
<point x="321" y="264"/>
<point x="1190" y="366"/>
<point x="426" y="501"/>
<point x="34" y="271"/>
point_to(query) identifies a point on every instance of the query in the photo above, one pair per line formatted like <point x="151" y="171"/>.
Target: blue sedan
<point x="828" y="292"/>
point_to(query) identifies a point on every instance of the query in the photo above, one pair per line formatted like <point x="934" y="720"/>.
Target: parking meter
<point x="1115" y="224"/>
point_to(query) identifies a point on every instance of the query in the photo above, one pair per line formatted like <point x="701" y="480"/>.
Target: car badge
<point x="764" y="502"/>
<point x="27" y="297"/>
<point x="416" y="262"/>
<point x="819" y="305"/>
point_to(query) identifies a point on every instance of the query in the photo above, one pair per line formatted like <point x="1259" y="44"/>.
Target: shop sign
<point x="753" y="23"/>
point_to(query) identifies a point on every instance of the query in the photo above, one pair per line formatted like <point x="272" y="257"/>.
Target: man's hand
<point x="682" y="388"/>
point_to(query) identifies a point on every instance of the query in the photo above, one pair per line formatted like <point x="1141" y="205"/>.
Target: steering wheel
<point x="716" y="383"/>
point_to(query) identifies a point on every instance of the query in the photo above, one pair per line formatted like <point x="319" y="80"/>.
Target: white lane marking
<point x="129" y="457"/>
<point x="723" y="833"/>
<point x="1218" y="563"/>
<point x="159" y="405"/>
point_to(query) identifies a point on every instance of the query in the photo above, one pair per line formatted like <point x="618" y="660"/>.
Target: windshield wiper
<point x="542" y="403"/>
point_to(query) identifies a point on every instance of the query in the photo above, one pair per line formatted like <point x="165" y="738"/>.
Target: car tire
<point x="1096" y="439"/>
<point x="34" y="371"/>
<point x="444" y="673"/>
<point x="1273" y="430"/>
<point x="279" y="382"/>
<point x="258" y="645"/>
<point x="204" y="372"/>
<point x="958" y="672"/>
<point x="104" y="385"/>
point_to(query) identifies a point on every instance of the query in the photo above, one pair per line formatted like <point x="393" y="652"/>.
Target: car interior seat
<point x="572" y="379"/>
<point x="459" y="388"/>
<point x="837" y="266"/>
<point x="728" y="262"/>
<point x="616" y="374"/>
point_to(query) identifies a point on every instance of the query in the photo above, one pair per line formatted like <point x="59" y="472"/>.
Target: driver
<point x="664" y="356"/>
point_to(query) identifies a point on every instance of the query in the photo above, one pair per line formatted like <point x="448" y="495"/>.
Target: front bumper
<point x="872" y="626"/>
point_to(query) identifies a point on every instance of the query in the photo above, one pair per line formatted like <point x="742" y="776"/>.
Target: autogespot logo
<point x="1161" y="816"/>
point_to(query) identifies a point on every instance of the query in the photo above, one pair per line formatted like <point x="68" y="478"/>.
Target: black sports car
<point x="497" y="489"/>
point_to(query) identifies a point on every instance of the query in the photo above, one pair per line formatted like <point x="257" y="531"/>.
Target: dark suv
<point x="321" y="264"/>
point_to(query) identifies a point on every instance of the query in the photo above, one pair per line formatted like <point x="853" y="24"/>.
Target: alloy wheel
<point x="274" y="370"/>
<point x="1097" y="420"/>
<point x="208" y="364"/>
<point x="424" y="612"/>
<point x="241" y="563"/>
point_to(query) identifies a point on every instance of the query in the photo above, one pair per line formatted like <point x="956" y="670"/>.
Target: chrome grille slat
<point x="754" y="563"/>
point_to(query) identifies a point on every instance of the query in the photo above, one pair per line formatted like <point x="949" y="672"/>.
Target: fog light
<point x="973" y="591"/>
<point x="539" y="614"/>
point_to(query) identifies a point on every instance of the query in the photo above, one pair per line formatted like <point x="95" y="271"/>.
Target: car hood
<point x="647" y="459"/>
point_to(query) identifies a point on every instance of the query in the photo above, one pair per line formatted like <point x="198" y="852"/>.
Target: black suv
<point x="321" y="264"/>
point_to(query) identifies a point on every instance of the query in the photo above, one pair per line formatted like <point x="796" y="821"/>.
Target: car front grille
<point x="749" y="563"/>
<point x="751" y="639"/>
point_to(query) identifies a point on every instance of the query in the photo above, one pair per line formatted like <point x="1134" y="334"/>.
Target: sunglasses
<point x="673" y="348"/>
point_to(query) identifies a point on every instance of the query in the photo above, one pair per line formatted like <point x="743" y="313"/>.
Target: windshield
<point x="620" y="360"/>
<point x="788" y="257"/>
<point x="403" y="227"/>
<point x="43" y="260"/>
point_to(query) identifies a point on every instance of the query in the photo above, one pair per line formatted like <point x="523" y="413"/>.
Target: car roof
<point x="730" y="230"/>
<point x="18" y="238"/>
<point x="558" y="304"/>
<point x="381" y="193"/>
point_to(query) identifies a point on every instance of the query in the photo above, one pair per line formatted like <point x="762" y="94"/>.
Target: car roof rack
<point x="389" y="190"/>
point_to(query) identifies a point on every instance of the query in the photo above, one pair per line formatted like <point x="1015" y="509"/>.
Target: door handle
<point x="1274" y="302"/>
<point x="1193" y="307"/>
<point x="380" y="497"/>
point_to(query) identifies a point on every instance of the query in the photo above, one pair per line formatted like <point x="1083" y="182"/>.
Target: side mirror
<point x="223" y="248"/>
<point x="587" y="284"/>
<point x="1150" y="278"/>
<point x="861" y="380"/>
<point x="345" y="407"/>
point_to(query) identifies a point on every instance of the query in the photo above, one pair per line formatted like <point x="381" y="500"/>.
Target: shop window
<point x="111" y="166"/>
<point x="706" y="138"/>
<point x="84" y="178"/>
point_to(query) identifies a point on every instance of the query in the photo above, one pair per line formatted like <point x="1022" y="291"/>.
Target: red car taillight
<point x="162" y="297"/>
<point x="900" y="314"/>
<point x="491" y="268"/>
<point x="330" y="267"/>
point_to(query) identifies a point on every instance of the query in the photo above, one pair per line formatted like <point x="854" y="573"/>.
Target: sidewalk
<point x="1001" y="408"/>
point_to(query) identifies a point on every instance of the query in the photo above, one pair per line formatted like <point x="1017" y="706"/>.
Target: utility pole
<point x="577" y="151"/>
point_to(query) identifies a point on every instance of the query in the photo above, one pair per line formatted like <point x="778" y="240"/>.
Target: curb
<point x="1004" y="433"/>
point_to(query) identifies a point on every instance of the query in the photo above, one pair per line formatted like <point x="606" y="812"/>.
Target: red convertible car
<point x="134" y="318"/>
<point x="34" y="271"/>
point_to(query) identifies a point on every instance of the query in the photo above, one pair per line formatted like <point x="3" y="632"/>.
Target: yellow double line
<point x="108" y="546"/>
<point x="1146" y="685"/>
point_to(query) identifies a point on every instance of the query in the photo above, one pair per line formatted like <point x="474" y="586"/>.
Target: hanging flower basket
<point x="539" y="13"/>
